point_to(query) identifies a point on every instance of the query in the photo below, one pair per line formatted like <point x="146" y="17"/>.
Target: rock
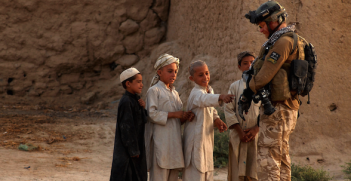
<point x="150" y="21"/>
<point x="78" y="29"/>
<point x="141" y="65"/>
<point x="119" y="49"/>
<point x="58" y="61"/>
<point x="102" y="105"/>
<point x="3" y="82"/>
<point x="110" y="52"/>
<point x="133" y="43"/>
<point x="88" y="98"/>
<point x="127" y="60"/>
<point x="20" y="85"/>
<point x="89" y="84"/>
<point x="53" y="83"/>
<point x="28" y="66"/>
<point x="29" y="5"/>
<point x="137" y="10"/>
<point x="120" y="13"/>
<point x="38" y="89"/>
<point x="105" y="73"/>
<point x="78" y="85"/>
<point x="65" y="89"/>
<point x="129" y="27"/>
<point x="69" y="78"/>
<point x="161" y="8"/>
<point x="154" y="35"/>
<point x="52" y="92"/>
<point x="40" y="85"/>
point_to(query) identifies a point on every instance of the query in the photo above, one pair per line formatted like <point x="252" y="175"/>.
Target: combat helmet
<point x="268" y="12"/>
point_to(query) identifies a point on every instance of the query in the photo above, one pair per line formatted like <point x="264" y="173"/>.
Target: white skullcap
<point x="128" y="73"/>
<point x="162" y="61"/>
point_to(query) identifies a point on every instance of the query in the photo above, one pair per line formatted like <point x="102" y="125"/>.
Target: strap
<point x="295" y="43"/>
<point x="301" y="49"/>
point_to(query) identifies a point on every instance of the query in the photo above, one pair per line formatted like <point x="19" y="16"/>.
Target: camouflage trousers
<point x="273" y="144"/>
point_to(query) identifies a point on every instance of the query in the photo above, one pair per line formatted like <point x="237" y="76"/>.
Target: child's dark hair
<point x="130" y="79"/>
<point x="245" y="54"/>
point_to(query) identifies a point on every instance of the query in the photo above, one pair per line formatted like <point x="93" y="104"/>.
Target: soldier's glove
<point x="245" y="102"/>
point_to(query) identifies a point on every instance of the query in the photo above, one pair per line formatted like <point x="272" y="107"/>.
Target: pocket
<point x="298" y="75"/>
<point x="270" y="130"/>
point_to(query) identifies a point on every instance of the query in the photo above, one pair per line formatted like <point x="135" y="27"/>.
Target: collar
<point x="162" y="84"/>
<point x="203" y="88"/>
<point x="135" y="96"/>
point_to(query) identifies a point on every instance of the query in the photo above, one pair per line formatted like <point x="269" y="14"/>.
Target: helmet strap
<point x="275" y="29"/>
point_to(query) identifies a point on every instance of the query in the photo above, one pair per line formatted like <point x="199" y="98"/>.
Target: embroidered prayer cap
<point x="126" y="74"/>
<point x="244" y="54"/>
<point x="162" y="61"/>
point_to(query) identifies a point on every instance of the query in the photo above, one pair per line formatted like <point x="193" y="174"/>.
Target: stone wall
<point x="68" y="50"/>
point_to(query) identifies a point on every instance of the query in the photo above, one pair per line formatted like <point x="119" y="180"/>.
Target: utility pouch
<point x="298" y="75"/>
<point x="280" y="86"/>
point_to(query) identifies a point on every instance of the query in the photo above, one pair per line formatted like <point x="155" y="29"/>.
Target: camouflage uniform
<point x="273" y="143"/>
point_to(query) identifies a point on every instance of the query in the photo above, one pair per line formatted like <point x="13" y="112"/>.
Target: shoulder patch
<point x="271" y="60"/>
<point x="274" y="57"/>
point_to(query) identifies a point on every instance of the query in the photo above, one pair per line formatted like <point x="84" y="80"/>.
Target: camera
<point x="262" y="95"/>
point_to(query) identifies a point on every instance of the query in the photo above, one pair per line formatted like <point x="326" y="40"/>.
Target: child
<point x="163" y="133"/>
<point x="243" y="134"/>
<point x="129" y="158"/>
<point x="198" y="134"/>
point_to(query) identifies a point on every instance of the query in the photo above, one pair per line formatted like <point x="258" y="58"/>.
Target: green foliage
<point x="221" y="114"/>
<point x="347" y="170"/>
<point x="307" y="173"/>
<point x="221" y="149"/>
<point x="221" y="145"/>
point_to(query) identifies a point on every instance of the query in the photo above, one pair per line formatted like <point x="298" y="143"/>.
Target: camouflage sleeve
<point x="275" y="58"/>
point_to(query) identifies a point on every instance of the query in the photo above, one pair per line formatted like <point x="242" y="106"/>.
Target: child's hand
<point x="251" y="133"/>
<point x="187" y="116"/>
<point x="135" y="156"/>
<point x="141" y="103"/>
<point x="191" y="116"/>
<point x="243" y="137"/>
<point x="227" y="98"/>
<point x="220" y="125"/>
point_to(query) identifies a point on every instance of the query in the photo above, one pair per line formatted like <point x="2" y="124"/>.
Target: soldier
<point x="270" y="72"/>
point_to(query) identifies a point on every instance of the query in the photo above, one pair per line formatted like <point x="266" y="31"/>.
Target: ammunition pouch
<point x="298" y="75"/>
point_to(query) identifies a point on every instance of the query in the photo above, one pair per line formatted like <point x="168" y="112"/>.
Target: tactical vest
<point x="279" y="85"/>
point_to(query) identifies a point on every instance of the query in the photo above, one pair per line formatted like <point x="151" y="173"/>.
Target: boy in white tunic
<point x="162" y="132"/>
<point x="243" y="134"/>
<point x="198" y="134"/>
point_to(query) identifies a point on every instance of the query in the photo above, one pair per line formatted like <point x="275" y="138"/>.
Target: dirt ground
<point x="76" y="144"/>
<point x="73" y="144"/>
